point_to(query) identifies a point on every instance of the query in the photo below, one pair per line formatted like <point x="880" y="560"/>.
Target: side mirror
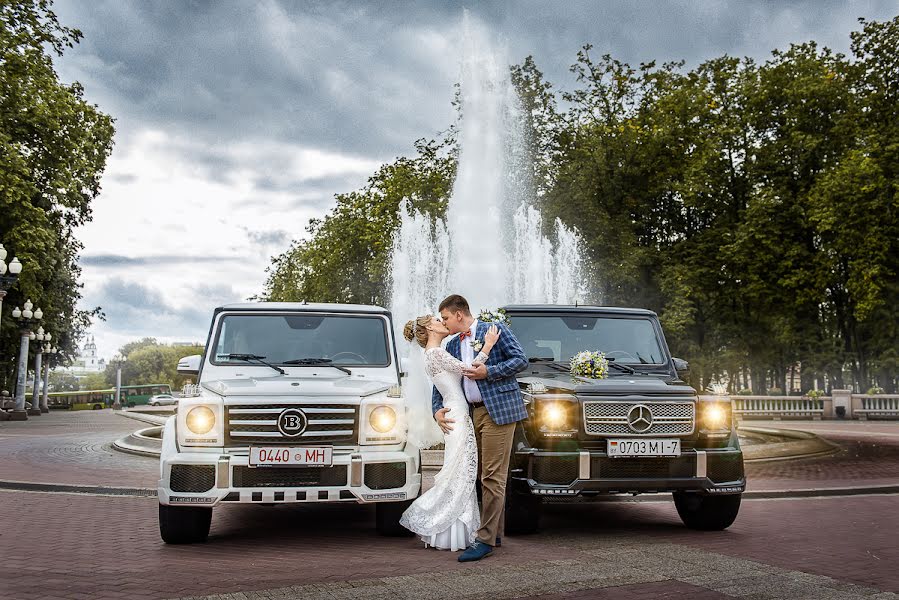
<point x="190" y="365"/>
<point x="680" y="364"/>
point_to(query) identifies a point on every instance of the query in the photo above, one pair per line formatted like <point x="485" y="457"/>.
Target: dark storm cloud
<point x="277" y="237"/>
<point x="118" y="261"/>
<point x="134" y="308"/>
<point x="361" y="78"/>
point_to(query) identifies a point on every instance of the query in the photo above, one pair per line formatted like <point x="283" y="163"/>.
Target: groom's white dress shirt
<point x="470" y="386"/>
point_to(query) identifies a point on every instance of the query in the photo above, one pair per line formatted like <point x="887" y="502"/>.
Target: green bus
<point x="80" y="400"/>
<point x="132" y="395"/>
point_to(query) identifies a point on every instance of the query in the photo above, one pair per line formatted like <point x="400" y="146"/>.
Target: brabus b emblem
<point x="292" y="422"/>
<point x="639" y="418"/>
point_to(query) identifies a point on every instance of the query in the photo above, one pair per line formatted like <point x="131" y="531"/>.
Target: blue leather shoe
<point x="476" y="551"/>
<point x="499" y="542"/>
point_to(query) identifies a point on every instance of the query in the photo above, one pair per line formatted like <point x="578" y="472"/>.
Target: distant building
<point x="87" y="361"/>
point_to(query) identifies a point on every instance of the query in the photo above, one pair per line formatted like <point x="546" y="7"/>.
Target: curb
<point x="143" y="442"/>
<point x="144" y="417"/>
<point x="63" y="488"/>
<point x="93" y="490"/>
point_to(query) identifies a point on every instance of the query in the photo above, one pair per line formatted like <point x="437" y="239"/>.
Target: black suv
<point x="639" y="430"/>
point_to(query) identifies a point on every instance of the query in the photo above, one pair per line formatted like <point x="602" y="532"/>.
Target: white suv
<point x="294" y="403"/>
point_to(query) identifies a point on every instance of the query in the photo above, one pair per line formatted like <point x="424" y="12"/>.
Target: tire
<point x="387" y="519"/>
<point x="97" y="407"/>
<point x="131" y="405"/>
<point x="154" y="403"/>
<point x="523" y="512"/>
<point x="707" y="513"/>
<point x="184" y="524"/>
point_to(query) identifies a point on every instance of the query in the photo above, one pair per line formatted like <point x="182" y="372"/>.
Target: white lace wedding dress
<point x="447" y="515"/>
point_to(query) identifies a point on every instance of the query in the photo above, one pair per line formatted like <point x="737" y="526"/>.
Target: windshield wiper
<point x="624" y="368"/>
<point x="534" y="359"/>
<point x="311" y="362"/>
<point x="253" y="358"/>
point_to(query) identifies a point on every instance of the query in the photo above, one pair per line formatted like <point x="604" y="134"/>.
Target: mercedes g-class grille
<point x="616" y="417"/>
<point x="258" y="424"/>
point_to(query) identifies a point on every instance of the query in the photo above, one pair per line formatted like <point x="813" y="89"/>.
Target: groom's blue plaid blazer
<point x="500" y="391"/>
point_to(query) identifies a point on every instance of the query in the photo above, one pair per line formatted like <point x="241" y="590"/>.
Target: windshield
<point x="280" y="339"/>
<point x="559" y="337"/>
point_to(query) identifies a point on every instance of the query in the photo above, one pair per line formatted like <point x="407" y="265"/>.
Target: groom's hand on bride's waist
<point x="475" y="371"/>
<point x="442" y="421"/>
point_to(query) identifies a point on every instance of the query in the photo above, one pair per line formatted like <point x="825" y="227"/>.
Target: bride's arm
<point x="490" y="339"/>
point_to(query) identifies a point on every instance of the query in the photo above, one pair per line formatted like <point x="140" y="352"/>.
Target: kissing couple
<point x="476" y="402"/>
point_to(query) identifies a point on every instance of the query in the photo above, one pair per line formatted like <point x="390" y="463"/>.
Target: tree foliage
<point x="147" y="361"/>
<point x="53" y="151"/>
<point x="752" y="205"/>
<point x="345" y="257"/>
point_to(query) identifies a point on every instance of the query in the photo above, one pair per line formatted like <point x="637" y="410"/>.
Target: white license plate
<point x="264" y="456"/>
<point x="644" y="448"/>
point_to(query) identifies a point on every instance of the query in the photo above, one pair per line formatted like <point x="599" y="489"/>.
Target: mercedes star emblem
<point x="639" y="418"/>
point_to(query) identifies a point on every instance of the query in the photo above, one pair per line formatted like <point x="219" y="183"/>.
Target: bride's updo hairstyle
<point x="418" y="329"/>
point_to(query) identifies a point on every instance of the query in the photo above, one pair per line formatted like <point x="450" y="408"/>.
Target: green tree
<point x="53" y="150"/>
<point x="95" y="381"/>
<point x="346" y="255"/>
<point x="62" y="381"/>
<point x="147" y="361"/>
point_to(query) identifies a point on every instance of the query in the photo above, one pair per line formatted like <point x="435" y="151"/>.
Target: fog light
<point x="200" y="420"/>
<point x="382" y="419"/>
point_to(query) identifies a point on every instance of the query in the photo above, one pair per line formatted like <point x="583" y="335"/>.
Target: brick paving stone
<point x="74" y="447"/>
<point x="99" y="546"/>
<point x="662" y="590"/>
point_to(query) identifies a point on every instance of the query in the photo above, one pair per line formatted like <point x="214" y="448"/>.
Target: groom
<point x="496" y="405"/>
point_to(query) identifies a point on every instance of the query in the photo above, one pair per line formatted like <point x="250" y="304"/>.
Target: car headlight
<point x="382" y="419"/>
<point x="715" y="416"/>
<point x="556" y="416"/>
<point x="200" y="420"/>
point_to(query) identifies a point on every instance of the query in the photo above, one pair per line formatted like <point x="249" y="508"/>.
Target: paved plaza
<point x="78" y="523"/>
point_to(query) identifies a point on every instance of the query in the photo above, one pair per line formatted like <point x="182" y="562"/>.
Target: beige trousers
<point x="494" y="452"/>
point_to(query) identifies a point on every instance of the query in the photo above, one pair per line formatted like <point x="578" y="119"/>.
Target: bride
<point x="447" y="515"/>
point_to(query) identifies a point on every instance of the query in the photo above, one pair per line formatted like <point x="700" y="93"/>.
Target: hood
<point x="351" y="386"/>
<point x="616" y="385"/>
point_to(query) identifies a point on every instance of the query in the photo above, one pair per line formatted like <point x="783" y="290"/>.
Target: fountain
<point x="491" y="247"/>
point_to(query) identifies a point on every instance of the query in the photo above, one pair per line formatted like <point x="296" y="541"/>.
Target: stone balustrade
<point x="841" y="404"/>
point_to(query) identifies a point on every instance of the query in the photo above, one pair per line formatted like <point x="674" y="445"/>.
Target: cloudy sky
<point x="238" y="121"/>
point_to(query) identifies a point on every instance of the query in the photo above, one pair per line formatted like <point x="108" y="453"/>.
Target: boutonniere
<point x="476" y="345"/>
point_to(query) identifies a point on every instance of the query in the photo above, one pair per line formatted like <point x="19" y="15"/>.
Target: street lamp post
<point x="7" y="281"/>
<point x="35" y="410"/>
<point x="119" y="360"/>
<point x="26" y="319"/>
<point x="45" y="407"/>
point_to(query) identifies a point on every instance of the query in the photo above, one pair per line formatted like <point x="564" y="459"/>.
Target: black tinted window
<point x="627" y="340"/>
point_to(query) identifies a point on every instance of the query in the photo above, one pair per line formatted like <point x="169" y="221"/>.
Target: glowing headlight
<point x="555" y="416"/>
<point x="200" y="420"/>
<point x="715" y="416"/>
<point x="382" y="419"/>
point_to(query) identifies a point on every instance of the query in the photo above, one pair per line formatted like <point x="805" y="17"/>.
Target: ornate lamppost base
<point x="18" y="415"/>
<point x="44" y="410"/>
<point x="34" y="412"/>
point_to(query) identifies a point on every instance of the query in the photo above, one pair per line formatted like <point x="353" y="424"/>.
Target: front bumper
<point x="572" y="474"/>
<point x="205" y="479"/>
